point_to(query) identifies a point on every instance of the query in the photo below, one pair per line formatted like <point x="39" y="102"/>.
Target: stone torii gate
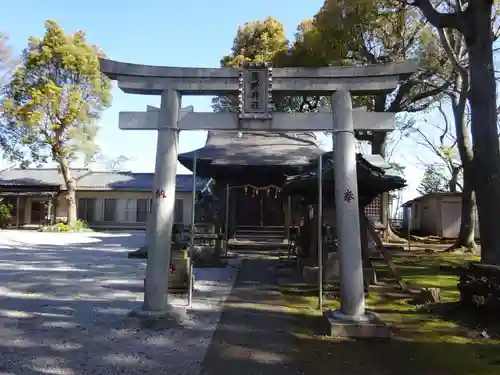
<point x="255" y="84"/>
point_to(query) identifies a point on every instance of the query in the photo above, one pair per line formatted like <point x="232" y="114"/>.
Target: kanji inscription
<point x="160" y="193"/>
<point x="348" y="196"/>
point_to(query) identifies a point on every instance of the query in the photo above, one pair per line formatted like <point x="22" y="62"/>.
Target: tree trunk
<point x="452" y="184"/>
<point x="466" y="235"/>
<point x="482" y="99"/>
<point x="467" y="224"/>
<point x="70" y="191"/>
<point x="459" y="97"/>
<point x="378" y="148"/>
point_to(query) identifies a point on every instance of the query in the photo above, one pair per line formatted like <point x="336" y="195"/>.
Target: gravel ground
<point x="64" y="297"/>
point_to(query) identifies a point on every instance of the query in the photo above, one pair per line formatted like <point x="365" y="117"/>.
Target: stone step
<point x="260" y="228"/>
<point x="260" y="234"/>
<point x="263" y="234"/>
<point x="256" y="245"/>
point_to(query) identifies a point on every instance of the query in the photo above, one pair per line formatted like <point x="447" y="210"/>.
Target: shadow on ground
<point x="62" y="308"/>
<point x="262" y="352"/>
<point x="63" y="303"/>
<point x="256" y="335"/>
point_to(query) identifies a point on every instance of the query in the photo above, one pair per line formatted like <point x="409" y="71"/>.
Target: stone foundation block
<point x="372" y="327"/>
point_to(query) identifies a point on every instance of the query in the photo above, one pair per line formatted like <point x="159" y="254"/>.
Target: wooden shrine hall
<point x="255" y="165"/>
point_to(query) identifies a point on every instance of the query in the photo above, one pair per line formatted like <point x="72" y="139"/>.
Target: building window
<point x="178" y="209"/>
<point x="109" y="209"/>
<point x="86" y="209"/>
<point x="178" y="213"/>
<point x="373" y="209"/>
<point x="129" y="210"/>
<point x="142" y="210"/>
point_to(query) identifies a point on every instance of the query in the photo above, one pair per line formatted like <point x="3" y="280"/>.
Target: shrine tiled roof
<point x="375" y="175"/>
<point x="255" y="149"/>
<point x="92" y="180"/>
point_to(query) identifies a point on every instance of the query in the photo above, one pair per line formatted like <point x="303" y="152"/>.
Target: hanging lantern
<point x="246" y="189"/>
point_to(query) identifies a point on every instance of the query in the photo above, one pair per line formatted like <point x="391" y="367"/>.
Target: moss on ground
<point x="424" y="342"/>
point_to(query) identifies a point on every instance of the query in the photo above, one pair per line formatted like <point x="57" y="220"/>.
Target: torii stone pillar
<point x="157" y="270"/>
<point x="255" y="84"/>
<point x="347" y="211"/>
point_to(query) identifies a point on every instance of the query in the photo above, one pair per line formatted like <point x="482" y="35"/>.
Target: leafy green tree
<point x="10" y="136"/>
<point x="256" y="41"/>
<point x="474" y="20"/>
<point x="5" y="214"/>
<point x="355" y="33"/>
<point x="432" y="182"/>
<point x="265" y="41"/>
<point x="6" y="59"/>
<point x="56" y="97"/>
<point x="360" y="32"/>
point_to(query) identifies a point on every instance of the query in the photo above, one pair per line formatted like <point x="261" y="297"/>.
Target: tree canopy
<point x="263" y="41"/>
<point x="10" y="136"/>
<point x="56" y="97"/>
<point x="432" y="181"/>
<point x="372" y="32"/>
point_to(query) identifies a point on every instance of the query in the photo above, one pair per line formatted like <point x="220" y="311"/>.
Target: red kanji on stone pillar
<point x="160" y="193"/>
<point x="348" y="196"/>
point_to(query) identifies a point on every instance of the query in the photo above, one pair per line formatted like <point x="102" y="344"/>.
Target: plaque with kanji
<point x="255" y="90"/>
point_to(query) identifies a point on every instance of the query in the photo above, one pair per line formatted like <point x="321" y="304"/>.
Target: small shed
<point x="437" y="214"/>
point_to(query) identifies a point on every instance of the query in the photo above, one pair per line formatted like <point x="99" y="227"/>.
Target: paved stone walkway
<point x="253" y="335"/>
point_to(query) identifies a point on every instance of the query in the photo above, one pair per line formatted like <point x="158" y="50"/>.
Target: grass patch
<point x="432" y="343"/>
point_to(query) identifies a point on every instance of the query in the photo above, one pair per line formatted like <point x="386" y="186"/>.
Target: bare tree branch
<point x="455" y="20"/>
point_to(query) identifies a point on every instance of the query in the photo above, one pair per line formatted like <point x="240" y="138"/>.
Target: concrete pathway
<point x="254" y="334"/>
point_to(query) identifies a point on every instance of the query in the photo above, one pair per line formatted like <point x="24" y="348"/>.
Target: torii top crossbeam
<point x="153" y="80"/>
<point x="255" y="84"/>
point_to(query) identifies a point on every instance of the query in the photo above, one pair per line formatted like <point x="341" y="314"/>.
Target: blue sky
<point x="160" y="32"/>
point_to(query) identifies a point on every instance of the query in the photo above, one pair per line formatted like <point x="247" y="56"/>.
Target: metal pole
<point x="289" y="221"/>
<point x="226" y="229"/>
<point x="191" y="245"/>
<point x="320" y="233"/>
<point x="409" y="227"/>
<point x="18" y="210"/>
